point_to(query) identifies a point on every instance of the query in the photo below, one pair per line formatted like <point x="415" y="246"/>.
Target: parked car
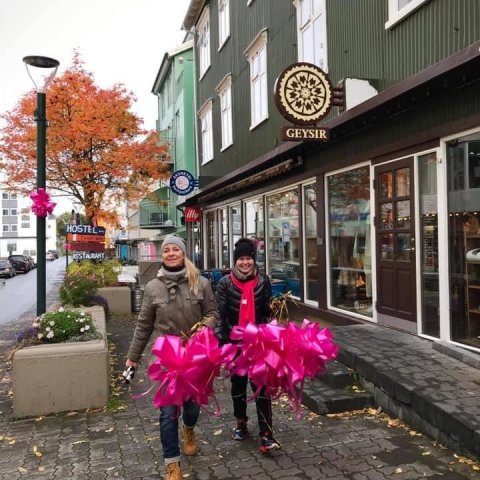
<point x="7" y="269"/>
<point x="49" y="256"/>
<point x="32" y="255"/>
<point x="54" y="253"/>
<point x="21" y="263"/>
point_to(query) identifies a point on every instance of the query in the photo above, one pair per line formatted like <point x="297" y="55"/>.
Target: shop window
<point x="427" y="168"/>
<point x="310" y="235"/>
<point x="225" y="254"/>
<point x="283" y="240"/>
<point x="464" y="238"/>
<point x="212" y="240"/>
<point x="236" y="221"/>
<point x="349" y="241"/>
<point x="255" y="228"/>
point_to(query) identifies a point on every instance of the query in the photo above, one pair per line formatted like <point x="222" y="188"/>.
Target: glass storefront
<point x="310" y="236"/>
<point x="225" y="256"/>
<point x="212" y="239"/>
<point x="349" y="240"/>
<point x="255" y="228"/>
<point x="463" y="166"/>
<point x="427" y="170"/>
<point x="283" y="239"/>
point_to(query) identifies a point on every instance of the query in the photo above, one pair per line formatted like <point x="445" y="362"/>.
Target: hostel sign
<point x="304" y="95"/>
<point x="86" y="241"/>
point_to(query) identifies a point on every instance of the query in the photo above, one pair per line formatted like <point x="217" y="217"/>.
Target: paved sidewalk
<point x="124" y="444"/>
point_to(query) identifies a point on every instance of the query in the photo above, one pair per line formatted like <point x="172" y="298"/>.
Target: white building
<point x="18" y="226"/>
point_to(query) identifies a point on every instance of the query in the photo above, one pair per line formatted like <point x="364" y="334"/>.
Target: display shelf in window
<point x="472" y="261"/>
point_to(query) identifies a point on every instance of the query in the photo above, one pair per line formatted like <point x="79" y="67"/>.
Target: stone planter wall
<point x="119" y="298"/>
<point x="62" y="377"/>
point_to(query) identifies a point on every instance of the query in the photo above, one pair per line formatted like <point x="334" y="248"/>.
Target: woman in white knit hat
<point x="174" y="301"/>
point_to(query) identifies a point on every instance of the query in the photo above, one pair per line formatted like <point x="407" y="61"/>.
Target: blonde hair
<point x="192" y="275"/>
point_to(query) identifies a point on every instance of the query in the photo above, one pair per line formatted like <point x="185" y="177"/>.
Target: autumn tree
<point x="97" y="151"/>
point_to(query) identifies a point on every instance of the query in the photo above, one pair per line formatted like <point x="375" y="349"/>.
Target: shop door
<point x="395" y="242"/>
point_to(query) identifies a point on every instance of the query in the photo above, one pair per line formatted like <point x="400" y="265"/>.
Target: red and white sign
<point x="192" y="214"/>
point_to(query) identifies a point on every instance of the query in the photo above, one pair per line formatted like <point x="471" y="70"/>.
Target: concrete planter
<point x="119" y="298"/>
<point x="62" y="377"/>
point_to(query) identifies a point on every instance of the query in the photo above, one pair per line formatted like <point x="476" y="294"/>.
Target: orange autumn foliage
<point x="97" y="151"/>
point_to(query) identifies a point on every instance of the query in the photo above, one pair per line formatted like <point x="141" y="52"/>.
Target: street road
<point x="19" y="293"/>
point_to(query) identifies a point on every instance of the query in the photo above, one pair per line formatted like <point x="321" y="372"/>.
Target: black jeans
<point x="263" y="403"/>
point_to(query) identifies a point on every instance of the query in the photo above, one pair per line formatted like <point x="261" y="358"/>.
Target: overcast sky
<point x="119" y="41"/>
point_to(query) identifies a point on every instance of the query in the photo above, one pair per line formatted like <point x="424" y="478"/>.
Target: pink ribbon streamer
<point x="42" y="206"/>
<point x="185" y="369"/>
<point x="279" y="358"/>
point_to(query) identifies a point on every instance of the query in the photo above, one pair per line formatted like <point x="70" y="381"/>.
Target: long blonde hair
<point x="192" y="275"/>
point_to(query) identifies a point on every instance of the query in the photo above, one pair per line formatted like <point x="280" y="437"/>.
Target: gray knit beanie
<point x="173" y="239"/>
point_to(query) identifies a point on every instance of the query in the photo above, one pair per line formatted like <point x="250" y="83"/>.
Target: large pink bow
<point x="42" y="206"/>
<point x="279" y="358"/>
<point x="185" y="369"/>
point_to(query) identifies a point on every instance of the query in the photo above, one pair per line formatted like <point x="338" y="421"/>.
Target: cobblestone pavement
<point x="123" y="443"/>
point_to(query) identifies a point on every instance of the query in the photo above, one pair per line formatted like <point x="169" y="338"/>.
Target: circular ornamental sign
<point x="182" y="182"/>
<point x="303" y="93"/>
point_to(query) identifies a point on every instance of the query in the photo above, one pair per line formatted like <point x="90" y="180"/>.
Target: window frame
<point x="224" y="90"/>
<point x="206" y="131"/>
<point x="223" y="22"/>
<point x="396" y="14"/>
<point x="5" y="228"/>
<point x="258" y="80"/>
<point x="203" y="42"/>
<point x="313" y="17"/>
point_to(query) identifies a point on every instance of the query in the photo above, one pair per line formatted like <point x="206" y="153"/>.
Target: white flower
<point x="40" y="336"/>
<point x="35" y="324"/>
<point x="52" y="323"/>
<point x="48" y="329"/>
<point x="81" y="320"/>
<point x="87" y="327"/>
<point x="82" y="329"/>
<point x="50" y="334"/>
<point x="82" y="314"/>
<point x="61" y="309"/>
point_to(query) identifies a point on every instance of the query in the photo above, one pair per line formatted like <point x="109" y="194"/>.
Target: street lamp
<point x="41" y="70"/>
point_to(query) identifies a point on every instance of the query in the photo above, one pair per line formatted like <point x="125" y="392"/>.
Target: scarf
<point x="247" y="302"/>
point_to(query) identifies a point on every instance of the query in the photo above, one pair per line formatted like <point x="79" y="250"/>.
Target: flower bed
<point x="57" y="377"/>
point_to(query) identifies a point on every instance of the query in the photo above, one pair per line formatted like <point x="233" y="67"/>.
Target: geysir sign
<point x="304" y="95"/>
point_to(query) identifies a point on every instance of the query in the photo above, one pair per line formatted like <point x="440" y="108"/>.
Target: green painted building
<point x="380" y="223"/>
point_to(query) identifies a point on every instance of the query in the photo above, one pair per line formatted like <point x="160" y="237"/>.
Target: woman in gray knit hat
<point x="174" y="301"/>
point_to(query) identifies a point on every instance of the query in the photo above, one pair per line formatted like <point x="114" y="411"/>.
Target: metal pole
<point x="41" y="221"/>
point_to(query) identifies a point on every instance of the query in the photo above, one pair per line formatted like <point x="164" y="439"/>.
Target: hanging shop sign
<point x="74" y="237"/>
<point x="78" y="256"/>
<point x="304" y="95"/>
<point x="182" y="182"/>
<point x="86" y="246"/>
<point x="192" y="214"/>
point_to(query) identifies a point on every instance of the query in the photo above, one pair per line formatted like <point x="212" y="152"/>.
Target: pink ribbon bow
<point x="279" y="358"/>
<point x="185" y="369"/>
<point x="42" y="206"/>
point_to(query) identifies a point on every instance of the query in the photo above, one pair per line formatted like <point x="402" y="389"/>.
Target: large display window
<point x="310" y="236"/>
<point x="283" y="240"/>
<point x="349" y="240"/>
<point x="255" y="227"/>
<point x="463" y="165"/>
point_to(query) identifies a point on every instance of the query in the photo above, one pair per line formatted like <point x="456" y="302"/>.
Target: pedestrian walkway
<point x="123" y="443"/>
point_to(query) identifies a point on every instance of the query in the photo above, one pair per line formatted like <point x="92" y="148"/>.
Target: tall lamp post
<point x="41" y="70"/>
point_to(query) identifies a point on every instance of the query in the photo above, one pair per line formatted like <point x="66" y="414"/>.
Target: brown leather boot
<point x="173" y="471"/>
<point x="190" y="446"/>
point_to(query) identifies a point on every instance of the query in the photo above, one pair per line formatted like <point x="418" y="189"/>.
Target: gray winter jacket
<point x="170" y="308"/>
